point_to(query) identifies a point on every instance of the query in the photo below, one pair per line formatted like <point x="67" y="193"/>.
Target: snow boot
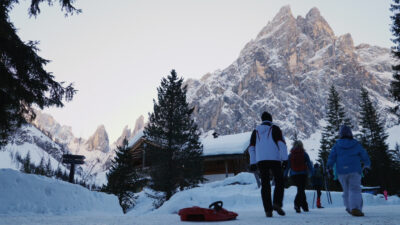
<point x="279" y="210"/>
<point x="356" y="212"/>
<point x="268" y="214"/>
<point x="305" y="207"/>
<point x="319" y="203"/>
<point x="297" y="208"/>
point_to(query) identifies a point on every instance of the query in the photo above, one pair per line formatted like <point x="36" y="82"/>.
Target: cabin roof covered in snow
<point x="222" y="145"/>
<point x="135" y="138"/>
<point x="226" y="144"/>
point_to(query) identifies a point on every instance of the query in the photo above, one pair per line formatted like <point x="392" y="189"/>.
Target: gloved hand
<point x="366" y="170"/>
<point x="329" y="173"/>
<point x="253" y="167"/>
<point x="284" y="165"/>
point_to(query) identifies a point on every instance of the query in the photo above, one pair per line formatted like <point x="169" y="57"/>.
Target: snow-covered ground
<point x="239" y="194"/>
<point x="30" y="194"/>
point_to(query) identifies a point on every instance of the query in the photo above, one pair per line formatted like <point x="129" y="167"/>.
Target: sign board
<point x="73" y="159"/>
<point x="68" y="156"/>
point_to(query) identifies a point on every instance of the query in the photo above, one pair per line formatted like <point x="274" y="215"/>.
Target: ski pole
<point x="313" y="200"/>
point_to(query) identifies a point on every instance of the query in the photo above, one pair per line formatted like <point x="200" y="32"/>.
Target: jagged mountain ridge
<point x="97" y="149"/>
<point x="128" y="133"/>
<point x="287" y="70"/>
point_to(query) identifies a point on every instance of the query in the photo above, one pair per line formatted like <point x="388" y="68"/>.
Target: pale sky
<point x="116" y="52"/>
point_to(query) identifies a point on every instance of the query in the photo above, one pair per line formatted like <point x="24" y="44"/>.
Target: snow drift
<point x="240" y="193"/>
<point x="22" y="194"/>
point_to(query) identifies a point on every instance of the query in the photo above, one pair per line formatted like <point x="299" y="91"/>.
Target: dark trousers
<point x="300" y="182"/>
<point x="275" y="167"/>
<point x="318" y="188"/>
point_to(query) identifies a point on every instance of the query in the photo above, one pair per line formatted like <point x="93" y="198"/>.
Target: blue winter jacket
<point x="348" y="154"/>
<point x="310" y="168"/>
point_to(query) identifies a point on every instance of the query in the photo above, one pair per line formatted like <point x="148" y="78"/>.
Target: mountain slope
<point x="98" y="150"/>
<point x="287" y="70"/>
<point x="29" y="139"/>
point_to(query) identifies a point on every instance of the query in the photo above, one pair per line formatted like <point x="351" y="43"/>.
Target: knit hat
<point x="345" y="132"/>
<point x="266" y="116"/>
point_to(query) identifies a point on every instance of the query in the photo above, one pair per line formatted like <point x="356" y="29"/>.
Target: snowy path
<point x="383" y="215"/>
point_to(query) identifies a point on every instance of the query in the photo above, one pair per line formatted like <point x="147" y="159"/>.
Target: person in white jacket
<point x="268" y="152"/>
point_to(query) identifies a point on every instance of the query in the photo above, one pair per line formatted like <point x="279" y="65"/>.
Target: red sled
<point x="215" y="212"/>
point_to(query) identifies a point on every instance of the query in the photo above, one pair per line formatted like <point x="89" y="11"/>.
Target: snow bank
<point x="22" y="194"/>
<point x="240" y="193"/>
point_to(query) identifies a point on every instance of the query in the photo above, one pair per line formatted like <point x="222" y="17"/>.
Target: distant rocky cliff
<point x="287" y="70"/>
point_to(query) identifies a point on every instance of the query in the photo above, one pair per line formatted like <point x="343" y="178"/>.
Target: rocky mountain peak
<point x="313" y="13"/>
<point x="284" y="13"/>
<point x="287" y="70"/>
<point x="316" y="26"/>
<point x="128" y="133"/>
<point x="346" y="43"/>
<point x="139" y="125"/>
<point x="99" y="140"/>
<point x="282" y="21"/>
<point x="47" y="124"/>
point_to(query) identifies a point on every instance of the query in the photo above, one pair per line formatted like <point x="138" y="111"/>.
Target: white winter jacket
<point x="266" y="148"/>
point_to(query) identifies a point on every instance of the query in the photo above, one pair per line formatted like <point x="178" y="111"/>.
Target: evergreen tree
<point x="27" y="166"/>
<point x="395" y="83"/>
<point x="24" y="81"/>
<point x="396" y="153"/>
<point x="175" y="157"/>
<point x="123" y="179"/>
<point x="41" y="168"/>
<point x="335" y="117"/>
<point x="295" y="136"/>
<point x="373" y="138"/>
<point x="48" y="170"/>
<point x="64" y="176"/>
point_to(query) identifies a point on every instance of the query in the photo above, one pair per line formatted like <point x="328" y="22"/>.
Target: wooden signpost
<point x="73" y="160"/>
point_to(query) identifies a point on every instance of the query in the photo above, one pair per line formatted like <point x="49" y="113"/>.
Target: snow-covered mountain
<point x="29" y="139"/>
<point x="97" y="149"/>
<point x="287" y="70"/>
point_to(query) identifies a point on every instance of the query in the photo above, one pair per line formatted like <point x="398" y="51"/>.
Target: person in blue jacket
<point x="347" y="154"/>
<point x="300" y="167"/>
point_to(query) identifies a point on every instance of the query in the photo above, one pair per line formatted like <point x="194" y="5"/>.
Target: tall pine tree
<point x="123" y="179"/>
<point x="23" y="79"/>
<point x="335" y="116"/>
<point x="27" y="166"/>
<point x="395" y="83"/>
<point x="383" y="167"/>
<point x="175" y="157"/>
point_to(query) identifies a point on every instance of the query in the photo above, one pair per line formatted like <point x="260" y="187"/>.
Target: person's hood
<point x="346" y="143"/>
<point x="345" y="131"/>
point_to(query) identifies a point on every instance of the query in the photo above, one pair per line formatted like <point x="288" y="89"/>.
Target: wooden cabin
<point x="224" y="155"/>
